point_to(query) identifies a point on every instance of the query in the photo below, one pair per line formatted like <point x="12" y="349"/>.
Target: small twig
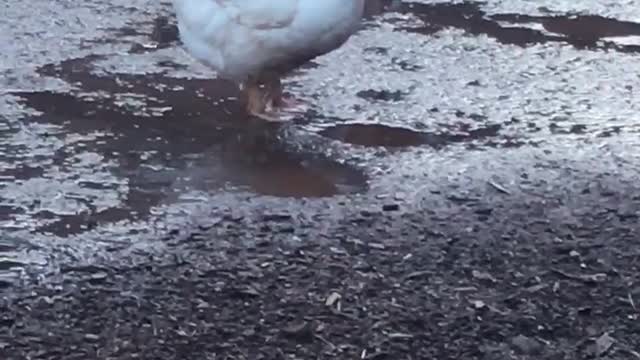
<point x="333" y="347"/>
<point x="465" y="288"/>
<point x="633" y="304"/>
<point x="593" y="278"/>
<point x="499" y="187"/>
<point x="417" y="274"/>
<point x="399" y="335"/>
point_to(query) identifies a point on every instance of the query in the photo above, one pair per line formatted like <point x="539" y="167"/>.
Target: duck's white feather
<point x="238" y="38"/>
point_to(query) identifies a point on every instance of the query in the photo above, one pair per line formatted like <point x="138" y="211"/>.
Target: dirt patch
<point x="484" y="279"/>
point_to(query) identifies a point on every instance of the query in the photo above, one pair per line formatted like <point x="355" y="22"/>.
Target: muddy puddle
<point x="169" y="136"/>
<point x="579" y="30"/>
<point x="121" y="149"/>
<point x="378" y="135"/>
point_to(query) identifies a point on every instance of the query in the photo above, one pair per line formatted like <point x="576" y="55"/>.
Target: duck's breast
<point x="318" y="27"/>
<point x="201" y="25"/>
<point x="325" y="24"/>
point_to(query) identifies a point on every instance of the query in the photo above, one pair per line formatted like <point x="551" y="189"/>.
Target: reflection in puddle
<point x="170" y="136"/>
<point x="264" y="163"/>
<point x="388" y="136"/>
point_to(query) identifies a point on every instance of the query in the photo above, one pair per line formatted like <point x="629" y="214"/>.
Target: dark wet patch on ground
<point x="395" y="137"/>
<point x="172" y="135"/>
<point x="615" y="130"/>
<point x="9" y="264"/>
<point x="589" y="28"/>
<point x="581" y="31"/>
<point x="22" y="172"/>
<point x="374" y="135"/>
<point x="164" y="34"/>
<point x="381" y="95"/>
<point x="169" y="65"/>
<point x="9" y="212"/>
<point x="572" y="129"/>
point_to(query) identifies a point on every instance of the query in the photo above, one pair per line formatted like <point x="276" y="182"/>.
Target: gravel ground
<point x="465" y="186"/>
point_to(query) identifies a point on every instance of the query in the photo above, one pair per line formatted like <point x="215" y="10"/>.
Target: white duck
<point x="256" y="42"/>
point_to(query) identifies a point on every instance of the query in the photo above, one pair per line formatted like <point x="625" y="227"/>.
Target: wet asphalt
<point x="112" y="139"/>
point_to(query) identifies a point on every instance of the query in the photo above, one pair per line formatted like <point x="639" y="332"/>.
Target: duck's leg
<point x="258" y="99"/>
<point x="254" y="96"/>
<point x="278" y="99"/>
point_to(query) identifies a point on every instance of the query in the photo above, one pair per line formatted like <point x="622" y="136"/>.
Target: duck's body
<point x="255" y="42"/>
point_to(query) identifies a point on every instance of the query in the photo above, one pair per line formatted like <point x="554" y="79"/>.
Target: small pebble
<point x="526" y="345"/>
<point x="390" y="207"/>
